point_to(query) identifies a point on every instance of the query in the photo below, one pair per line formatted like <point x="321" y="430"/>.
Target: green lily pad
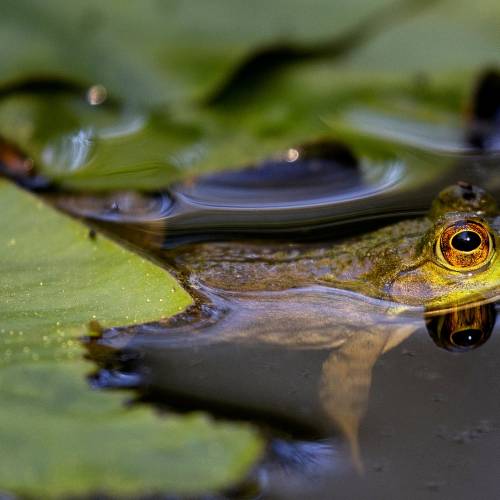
<point x="101" y="148"/>
<point x="155" y="52"/>
<point x="451" y="36"/>
<point x="58" y="435"/>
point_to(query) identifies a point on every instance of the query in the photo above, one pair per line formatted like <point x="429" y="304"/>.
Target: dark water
<point x="356" y="402"/>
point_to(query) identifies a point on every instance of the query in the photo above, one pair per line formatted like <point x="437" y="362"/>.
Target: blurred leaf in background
<point x="191" y="97"/>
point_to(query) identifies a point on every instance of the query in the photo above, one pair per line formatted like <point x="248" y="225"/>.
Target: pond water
<point x="366" y="384"/>
<point x="431" y="428"/>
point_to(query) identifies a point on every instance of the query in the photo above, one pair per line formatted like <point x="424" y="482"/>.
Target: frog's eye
<point x="465" y="246"/>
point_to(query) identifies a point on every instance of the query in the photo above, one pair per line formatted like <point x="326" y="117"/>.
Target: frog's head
<point x="456" y="261"/>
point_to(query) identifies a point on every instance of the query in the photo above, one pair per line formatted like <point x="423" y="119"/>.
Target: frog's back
<point x="265" y="266"/>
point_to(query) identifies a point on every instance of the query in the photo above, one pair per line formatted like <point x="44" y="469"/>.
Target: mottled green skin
<point x="396" y="263"/>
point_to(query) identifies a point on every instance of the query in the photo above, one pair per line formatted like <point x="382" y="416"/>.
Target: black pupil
<point x="467" y="338"/>
<point x="466" y="241"/>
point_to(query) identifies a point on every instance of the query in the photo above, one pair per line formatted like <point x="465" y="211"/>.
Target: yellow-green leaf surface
<point x="57" y="435"/>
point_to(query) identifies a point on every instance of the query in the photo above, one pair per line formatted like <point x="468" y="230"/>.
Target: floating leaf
<point x="58" y="435"/>
<point x="81" y="147"/>
<point x="155" y="52"/>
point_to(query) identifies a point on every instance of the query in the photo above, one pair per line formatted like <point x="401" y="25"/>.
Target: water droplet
<point x="97" y="94"/>
<point x="292" y="155"/>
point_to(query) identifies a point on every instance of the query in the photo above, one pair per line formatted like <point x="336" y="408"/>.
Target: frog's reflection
<point x="462" y="329"/>
<point x="309" y="392"/>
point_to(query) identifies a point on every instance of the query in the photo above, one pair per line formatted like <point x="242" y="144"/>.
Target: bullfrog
<point x="358" y="298"/>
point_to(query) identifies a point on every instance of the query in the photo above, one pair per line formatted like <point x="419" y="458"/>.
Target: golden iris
<point x="465" y="245"/>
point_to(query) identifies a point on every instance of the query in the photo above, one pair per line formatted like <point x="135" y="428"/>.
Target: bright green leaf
<point x="58" y="436"/>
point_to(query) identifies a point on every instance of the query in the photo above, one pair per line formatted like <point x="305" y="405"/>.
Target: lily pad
<point x="155" y="52"/>
<point x="187" y="50"/>
<point x="58" y="435"/>
<point x="451" y="36"/>
<point x="101" y="148"/>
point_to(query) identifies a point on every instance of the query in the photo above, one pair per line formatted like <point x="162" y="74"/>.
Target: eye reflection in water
<point x="463" y="329"/>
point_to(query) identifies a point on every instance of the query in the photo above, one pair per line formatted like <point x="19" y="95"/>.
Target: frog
<point x="357" y="298"/>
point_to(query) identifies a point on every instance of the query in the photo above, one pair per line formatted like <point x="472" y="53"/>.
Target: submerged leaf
<point x="58" y="435"/>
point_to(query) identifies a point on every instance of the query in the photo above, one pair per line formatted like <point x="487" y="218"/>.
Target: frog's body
<point x="353" y="264"/>
<point x="397" y="263"/>
<point x="347" y="297"/>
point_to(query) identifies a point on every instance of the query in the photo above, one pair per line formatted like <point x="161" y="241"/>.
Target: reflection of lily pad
<point x="58" y="435"/>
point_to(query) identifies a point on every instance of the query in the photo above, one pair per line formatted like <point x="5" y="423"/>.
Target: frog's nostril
<point x="465" y="185"/>
<point x="467" y="190"/>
